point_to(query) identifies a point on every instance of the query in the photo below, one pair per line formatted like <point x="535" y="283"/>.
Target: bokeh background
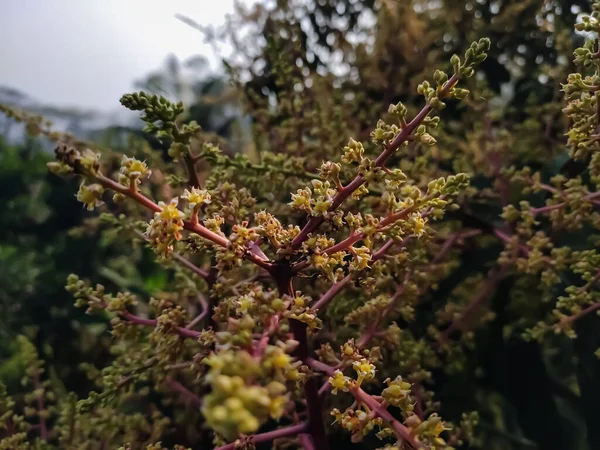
<point x="70" y="61"/>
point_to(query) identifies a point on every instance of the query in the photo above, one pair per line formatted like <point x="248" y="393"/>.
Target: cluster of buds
<point x="365" y="371"/>
<point x="315" y="201"/>
<point x="165" y="228"/>
<point x="236" y="406"/>
<point x="161" y="116"/>
<point x="271" y="228"/>
<point x="398" y="394"/>
<point x="70" y="159"/>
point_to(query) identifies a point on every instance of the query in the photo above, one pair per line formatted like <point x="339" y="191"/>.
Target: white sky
<point x="87" y="53"/>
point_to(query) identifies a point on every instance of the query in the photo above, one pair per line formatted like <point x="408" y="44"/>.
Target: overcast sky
<point x="87" y="53"/>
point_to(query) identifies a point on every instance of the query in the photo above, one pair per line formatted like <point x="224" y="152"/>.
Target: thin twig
<point x="188" y="396"/>
<point x="270" y="435"/>
<point x="205" y="274"/>
<point x="131" y="318"/>
<point x="205" y="311"/>
<point x="589" y="198"/>
<point x="570" y="319"/>
<point x="190" y="165"/>
<point x="315" y="425"/>
<point x="369" y="333"/>
<point x="339" y="285"/>
<point x="494" y="277"/>
<point x="40" y="405"/>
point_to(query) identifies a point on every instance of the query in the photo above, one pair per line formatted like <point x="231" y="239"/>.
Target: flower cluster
<point x="259" y="357"/>
<point x="236" y="406"/>
<point x="165" y="228"/>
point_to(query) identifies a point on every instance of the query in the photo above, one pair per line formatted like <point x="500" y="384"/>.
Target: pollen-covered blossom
<point x="196" y="197"/>
<point x="165" y="227"/>
<point x="89" y="160"/>
<point x="398" y="393"/>
<point x="339" y="381"/>
<point x="301" y="200"/>
<point x="245" y="303"/>
<point x="418" y="224"/>
<point x="90" y="195"/>
<point x="364" y="369"/>
<point x="134" y="168"/>
<point x="362" y="257"/>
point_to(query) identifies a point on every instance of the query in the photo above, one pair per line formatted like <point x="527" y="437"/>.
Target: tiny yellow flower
<point x="364" y="369"/>
<point x="301" y="200"/>
<point x="90" y="160"/>
<point x="281" y="360"/>
<point x="319" y="260"/>
<point x="419" y="225"/>
<point x="170" y="211"/>
<point x="339" y="382"/>
<point x="90" y="195"/>
<point x="196" y="197"/>
<point x="244" y="303"/>
<point x="362" y="257"/>
<point x="322" y="205"/>
<point x="277" y="406"/>
<point x="134" y="168"/>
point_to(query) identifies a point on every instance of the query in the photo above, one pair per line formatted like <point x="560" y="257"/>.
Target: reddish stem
<point x="183" y="332"/>
<point x="345" y="192"/>
<point x="315" y="425"/>
<point x="205" y="274"/>
<point x="522" y="247"/>
<point x="331" y="293"/>
<point x="593" y="281"/>
<point x="339" y="285"/>
<point x="549" y="188"/>
<point x="589" y="197"/>
<point x="188" y="225"/>
<point x="205" y="311"/>
<point x="569" y="320"/>
<point x="396" y="216"/>
<point x="345" y="244"/>
<point x="401" y="430"/>
<point x="593" y="307"/>
<point x="495" y="276"/>
<point x="372" y="330"/>
<point x="270" y="435"/>
<point x="40" y="406"/>
<point x="444" y="250"/>
<point x="384" y="248"/>
<point x="197" y="270"/>
<point x="188" y="396"/>
<point x="306" y="441"/>
<point x="355" y="237"/>
<point x="320" y="366"/>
